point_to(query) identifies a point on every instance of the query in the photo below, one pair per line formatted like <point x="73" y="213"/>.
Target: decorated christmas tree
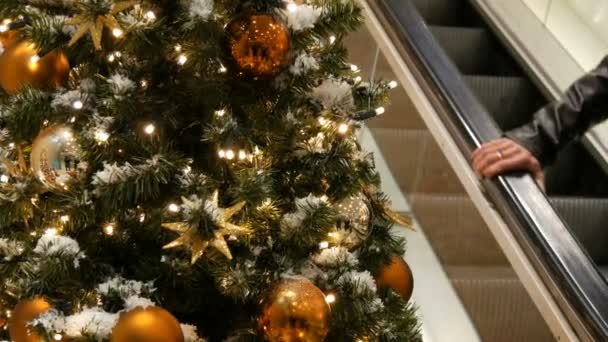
<point x="182" y="170"/>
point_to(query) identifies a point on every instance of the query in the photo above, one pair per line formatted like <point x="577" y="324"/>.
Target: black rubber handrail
<point x="568" y="271"/>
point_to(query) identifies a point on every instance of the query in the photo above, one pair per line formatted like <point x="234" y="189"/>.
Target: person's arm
<point x="584" y="104"/>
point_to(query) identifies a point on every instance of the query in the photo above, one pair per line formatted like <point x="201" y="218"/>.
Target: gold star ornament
<point x="89" y="22"/>
<point x="191" y="238"/>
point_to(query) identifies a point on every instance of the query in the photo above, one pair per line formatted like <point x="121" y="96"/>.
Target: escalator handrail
<point x="524" y="206"/>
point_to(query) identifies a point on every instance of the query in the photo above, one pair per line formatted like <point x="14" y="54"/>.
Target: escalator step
<point x="444" y="12"/>
<point x="510" y="100"/>
<point x="469" y="48"/>
<point x="587" y="219"/>
<point x="498" y="304"/>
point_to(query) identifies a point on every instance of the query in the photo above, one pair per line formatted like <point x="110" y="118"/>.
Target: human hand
<point x="504" y="155"/>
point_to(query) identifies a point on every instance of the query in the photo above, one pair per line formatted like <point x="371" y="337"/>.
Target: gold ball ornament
<point x="259" y="44"/>
<point x="20" y="65"/>
<point x="24" y="312"/>
<point x="353" y="220"/>
<point x="294" y="310"/>
<point x="152" y="324"/>
<point x="56" y="156"/>
<point x="398" y="277"/>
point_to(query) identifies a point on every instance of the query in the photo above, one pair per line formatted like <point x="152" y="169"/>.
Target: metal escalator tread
<point x="469" y="48"/>
<point x="587" y="219"/>
<point x="510" y="100"/>
<point x="439" y="12"/>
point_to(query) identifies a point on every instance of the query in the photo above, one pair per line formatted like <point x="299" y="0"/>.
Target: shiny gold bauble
<point x="353" y="220"/>
<point x="24" y="312"/>
<point x="398" y="277"/>
<point x="294" y="310"/>
<point x="7" y="39"/>
<point x="259" y="44"/>
<point x="20" y="66"/>
<point x="152" y="324"/>
<point x="56" y="156"/>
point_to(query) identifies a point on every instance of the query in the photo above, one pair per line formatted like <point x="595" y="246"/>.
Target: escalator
<point x="481" y="91"/>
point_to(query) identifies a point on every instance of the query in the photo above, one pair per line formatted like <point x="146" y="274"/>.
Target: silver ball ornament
<point x="353" y="220"/>
<point x="56" y="156"/>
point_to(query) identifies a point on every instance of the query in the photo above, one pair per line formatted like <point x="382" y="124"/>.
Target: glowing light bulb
<point x="174" y="208"/>
<point x="108" y="229"/>
<point x="354" y="68"/>
<point x="230" y="154"/>
<point x="332" y="39"/>
<point x="11" y="145"/>
<point x="221" y="154"/>
<point x="380" y="110"/>
<point x="78" y="104"/>
<point x="111" y="58"/>
<point x="291" y="7"/>
<point x="3" y="28"/>
<point x="73" y="119"/>
<point x="102" y="136"/>
<point x="117" y="32"/>
<point x="220" y="112"/>
<point x="187" y="169"/>
<point x="324" y="245"/>
<point x="343" y="128"/>
<point x="34" y="59"/>
<point x="324" y="198"/>
<point x="150" y="15"/>
<point x="330" y="298"/>
<point x="242" y="154"/>
<point x="182" y="59"/>
<point x="256" y="150"/>
<point x="50" y="232"/>
<point x="64" y="218"/>
<point x="144" y="83"/>
<point x="358" y="79"/>
<point x="222" y="69"/>
<point x="393" y="84"/>
<point x="142" y="217"/>
<point x="178" y="48"/>
<point x="149" y="129"/>
<point x="57" y="337"/>
<point x="4" y="179"/>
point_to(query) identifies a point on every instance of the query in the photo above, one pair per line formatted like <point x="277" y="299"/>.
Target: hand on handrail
<point x="504" y="155"/>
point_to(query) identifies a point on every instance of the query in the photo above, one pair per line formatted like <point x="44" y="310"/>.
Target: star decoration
<point x="95" y="25"/>
<point x="190" y="236"/>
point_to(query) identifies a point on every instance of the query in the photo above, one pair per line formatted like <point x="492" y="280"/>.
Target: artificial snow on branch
<point x="300" y="17"/>
<point x="303" y="64"/>
<point x="50" y="245"/>
<point x="334" y="94"/>
<point x="201" y="9"/>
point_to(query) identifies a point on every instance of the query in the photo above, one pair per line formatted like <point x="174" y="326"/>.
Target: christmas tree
<point x="181" y="170"/>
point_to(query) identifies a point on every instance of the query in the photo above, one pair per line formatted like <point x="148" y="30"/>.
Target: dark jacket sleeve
<point x="584" y="104"/>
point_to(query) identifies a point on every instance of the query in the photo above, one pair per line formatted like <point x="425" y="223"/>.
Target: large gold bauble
<point x="259" y="44"/>
<point x="19" y="67"/>
<point x="353" y="220"/>
<point x="152" y="324"/>
<point x="294" y="310"/>
<point x="55" y="157"/>
<point x="24" y="312"/>
<point x="398" y="277"/>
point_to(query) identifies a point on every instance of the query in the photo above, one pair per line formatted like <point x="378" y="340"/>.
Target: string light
<point x="73" y="119"/>
<point x="332" y="39"/>
<point x="4" y="179"/>
<point x="117" y="32"/>
<point x="8" y="313"/>
<point x="34" y="59"/>
<point x="222" y="69"/>
<point x="187" y="169"/>
<point x="220" y="112"/>
<point x="330" y="298"/>
<point x="242" y="154"/>
<point x="57" y="337"/>
<point x="221" y="153"/>
<point x="142" y="217"/>
<point x="3" y="28"/>
<point x="108" y="229"/>
<point x="102" y="136"/>
<point x="174" y="208"/>
<point x="324" y="198"/>
<point x="230" y="154"/>
<point x="358" y="79"/>
<point x="144" y="83"/>
<point x="111" y="58"/>
<point x="149" y="129"/>
<point x="77" y="104"/>
<point x="393" y="84"/>
<point x="178" y="48"/>
<point x="354" y="68"/>
<point x="291" y="7"/>
<point x="256" y="150"/>
<point x="33" y="233"/>
<point x="182" y="59"/>
<point x="11" y="145"/>
<point x="64" y="218"/>
<point x="323" y="245"/>
<point x="380" y="110"/>
<point x="150" y="15"/>
<point x="50" y="232"/>
<point x="343" y="128"/>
